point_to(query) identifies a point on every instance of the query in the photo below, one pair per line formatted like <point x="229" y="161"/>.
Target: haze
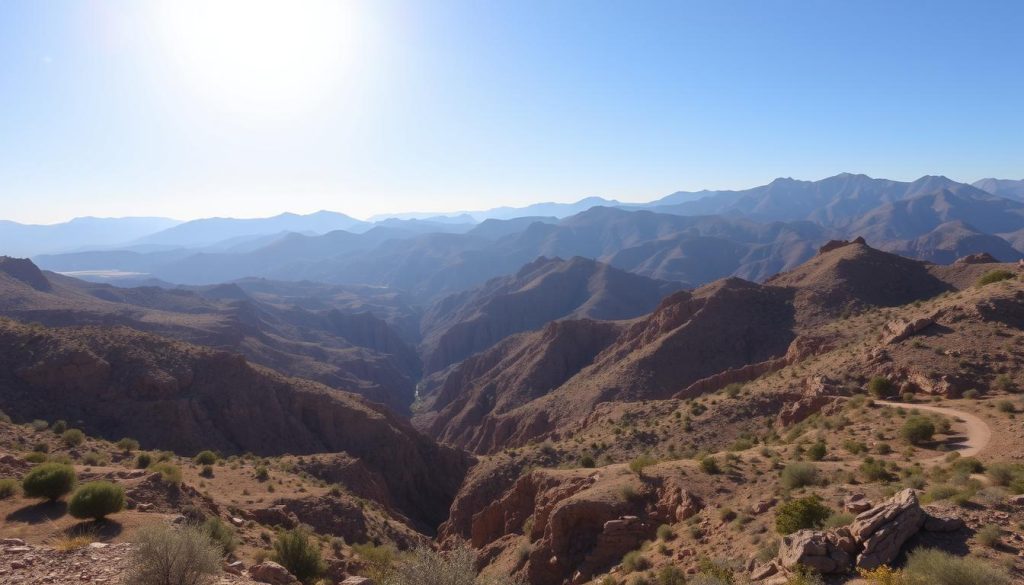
<point x="249" y="109"/>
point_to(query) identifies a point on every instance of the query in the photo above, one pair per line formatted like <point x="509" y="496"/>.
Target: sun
<point x="259" y="56"/>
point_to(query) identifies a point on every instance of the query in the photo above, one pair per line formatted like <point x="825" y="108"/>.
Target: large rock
<point x="273" y="573"/>
<point x="818" y="550"/>
<point x="882" y="530"/>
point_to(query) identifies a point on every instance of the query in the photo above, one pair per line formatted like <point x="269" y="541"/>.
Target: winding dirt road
<point x="977" y="431"/>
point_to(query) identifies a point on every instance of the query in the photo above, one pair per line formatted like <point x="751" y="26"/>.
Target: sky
<point x="249" y="108"/>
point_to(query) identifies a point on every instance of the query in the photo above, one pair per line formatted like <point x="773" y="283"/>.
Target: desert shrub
<point x="297" y="552"/>
<point x="637" y="465"/>
<point x="72" y="437"/>
<point x="798" y="475"/>
<point x="994" y="276"/>
<point x="205" y="458"/>
<point x="710" y="465"/>
<point x="39" y="425"/>
<point x="1006" y="406"/>
<point x="207" y="471"/>
<point x="970" y="394"/>
<point x="59" y="427"/>
<point x="968" y="465"/>
<point x="49" y="481"/>
<point x="97" y="500"/>
<point x="425" y="566"/>
<point x="8" y="488"/>
<point x="990" y="535"/>
<point x="1002" y="474"/>
<point x="874" y="470"/>
<point x="880" y="387"/>
<point x="666" y="532"/>
<point x="883" y="448"/>
<point x="671" y="576"/>
<point x="377" y="560"/>
<point x="801" y="513"/>
<point x="1004" y="383"/>
<point x="635" y="561"/>
<point x="94" y="458"/>
<point x="587" y="461"/>
<point x="262" y="474"/>
<point x="917" y="430"/>
<point x="127" y="444"/>
<point x="817" y="451"/>
<point x="220" y="533"/>
<point x="805" y="576"/>
<point x="165" y="555"/>
<point x="885" y="575"/>
<point x="717" y="570"/>
<point x="935" y="567"/>
<point x="143" y="461"/>
<point x="169" y="472"/>
<point x="36" y="457"/>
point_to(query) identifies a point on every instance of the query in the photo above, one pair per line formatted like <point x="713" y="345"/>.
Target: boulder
<point x="882" y="530"/>
<point x="856" y="503"/>
<point x="815" y="549"/>
<point x="273" y="573"/>
<point x="942" y="523"/>
<point x="764" y="571"/>
<point x="357" y="581"/>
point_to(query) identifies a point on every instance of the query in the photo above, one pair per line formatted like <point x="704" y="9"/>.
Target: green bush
<point x="710" y="465"/>
<point x="637" y="465"/>
<point x="817" y="451"/>
<point x="671" y="576"/>
<point x="205" y="458"/>
<point x="917" y="430"/>
<point x="801" y="513"/>
<point x="1002" y="474"/>
<point x="59" y="427"/>
<point x="992" y="276"/>
<point x="262" y="474"/>
<point x="96" y="500"/>
<point x="221" y="533"/>
<point x="587" y="461"/>
<point x="72" y="437"/>
<point x="39" y="425"/>
<point x="874" y="470"/>
<point x="8" y="488"/>
<point x="49" y="481"/>
<point x="297" y="552"/>
<point x="166" y="555"/>
<point x="634" y="561"/>
<point x="880" y="387"/>
<point x="36" y="457"/>
<point x="838" y="519"/>
<point x="798" y="475"/>
<point x="665" y="532"/>
<point x="990" y="536"/>
<point x="935" y="567"/>
<point x="169" y="472"/>
<point x="143" y="461"/>
<point x="127" y="445"/>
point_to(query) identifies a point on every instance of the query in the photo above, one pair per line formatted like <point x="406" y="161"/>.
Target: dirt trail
<point x="977" y="431"/>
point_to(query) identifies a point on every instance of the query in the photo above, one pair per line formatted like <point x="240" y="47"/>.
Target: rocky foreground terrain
<point x="853" y="420"/>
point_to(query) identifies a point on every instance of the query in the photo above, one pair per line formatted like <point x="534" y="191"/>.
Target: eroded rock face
<point x="815" y="549"/>
<point x="981" y="258"/>
<point x="896" y="331"/>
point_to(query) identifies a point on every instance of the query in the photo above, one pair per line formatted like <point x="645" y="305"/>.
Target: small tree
<point x="72" y="437"/>
<point x="165" y="555"/>
<point x="880" y="387"/>
<point x="801" y="513"/>
<point x="295" y="551"/>
<point x="97" y="500"/>
<point x="917" y="430"/>
<point x="49" y="481"/>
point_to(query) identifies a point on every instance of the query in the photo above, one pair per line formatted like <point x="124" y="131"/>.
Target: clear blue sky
<point x="117" y="108"/>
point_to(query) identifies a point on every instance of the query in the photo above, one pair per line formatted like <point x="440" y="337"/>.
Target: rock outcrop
<point x="875" y="538"/>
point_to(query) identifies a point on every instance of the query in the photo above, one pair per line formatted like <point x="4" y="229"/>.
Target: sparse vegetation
<point x="166" y="555"/>
<point x="993" y="276"/>
<point x="72" y="437"/>
<point x="96" y="500"/>
<point x="49" y="481"/>
<point x="935" y="567"/>
<point x="880" y="387"/>
<point x="205" y="458"/>
<point x="710" y="465"/>
<point x="637" y="465"/>
<point x="8" y="488"/>
<point x="798" y="474"/>
<point x="917" y="430"/>
<point x="800" y="513"/>
<point x="297" y="552"/>
<point x="635" y="561"/>
<point x="221" y="533"/>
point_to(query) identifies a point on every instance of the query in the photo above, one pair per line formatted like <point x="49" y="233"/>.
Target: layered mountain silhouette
<point x="693" y="238"/>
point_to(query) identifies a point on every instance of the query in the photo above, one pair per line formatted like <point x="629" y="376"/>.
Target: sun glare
<point x="259" y="56"/>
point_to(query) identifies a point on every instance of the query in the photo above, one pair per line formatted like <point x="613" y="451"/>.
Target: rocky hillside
<point x="171" y="395"/>
<point x="351" y="350"/>
<point x="542" y="291"/>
